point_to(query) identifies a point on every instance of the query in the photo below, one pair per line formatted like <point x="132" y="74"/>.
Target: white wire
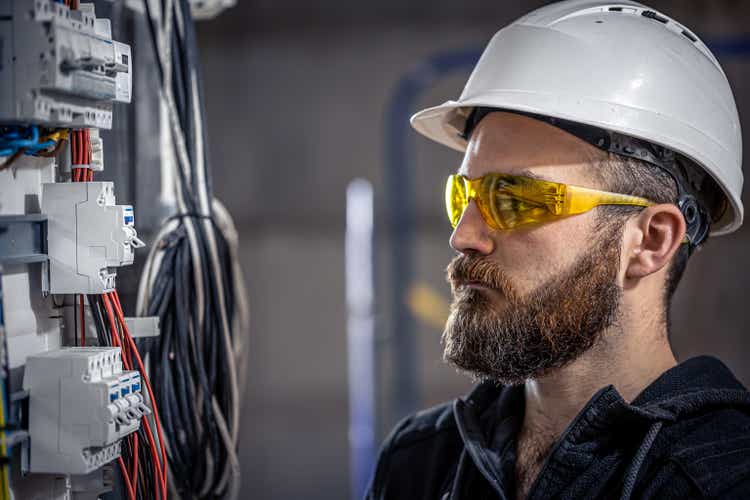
<point x="234" y="463"/>
<point x="234" y="345"/>
<point x="218" y="275"/>
<point x="241" y="320"/>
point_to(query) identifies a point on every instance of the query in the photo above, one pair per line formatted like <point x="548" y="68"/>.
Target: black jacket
<point x="687" y="435"/>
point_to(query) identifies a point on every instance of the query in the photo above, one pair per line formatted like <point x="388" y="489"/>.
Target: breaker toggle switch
<point x="137" y="405"/>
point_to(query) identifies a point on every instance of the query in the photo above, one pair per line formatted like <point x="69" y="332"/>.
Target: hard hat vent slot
<point x="653" y="15"/>
<point x="689" y="36"/>
<point x="624" y="10"/>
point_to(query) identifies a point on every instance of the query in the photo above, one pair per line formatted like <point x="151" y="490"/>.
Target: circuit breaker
<point x="81" y="404"/>
<point x="88" y="234"/>
<point x="59" y="66"/>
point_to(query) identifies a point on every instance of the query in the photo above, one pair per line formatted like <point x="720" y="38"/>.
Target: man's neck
<point x="629" y="361"/>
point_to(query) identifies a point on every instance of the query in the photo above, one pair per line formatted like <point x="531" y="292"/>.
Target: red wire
<point x="126" y="362"/>
<point x="83" y="325"/>
<point x="88" y="146"/>
<point x="129" y="340"/>
<point x="126" y="479"/>
<point x="73" y="147"/>
<point x="113" y="327"/>
<point x="134" y="466"/>
<point x="117" y="308"/>
<point x="76" y="151"/>
<point x="155" y="459"/>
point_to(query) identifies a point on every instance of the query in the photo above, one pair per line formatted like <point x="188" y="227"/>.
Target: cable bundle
<point x="192" y="281"/>
<point x="143" y="463"/>
<point x="80" y="155"/>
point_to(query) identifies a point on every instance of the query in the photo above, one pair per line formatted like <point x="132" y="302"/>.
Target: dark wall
<point x="296" y="95"/>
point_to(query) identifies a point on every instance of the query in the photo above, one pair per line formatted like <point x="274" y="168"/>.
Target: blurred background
<point x="304" y="97"/>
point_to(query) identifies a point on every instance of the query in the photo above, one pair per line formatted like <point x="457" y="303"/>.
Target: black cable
<point x="184" y="360"/>
<point x="98" y="319"/>
<point x="154" y="39"/>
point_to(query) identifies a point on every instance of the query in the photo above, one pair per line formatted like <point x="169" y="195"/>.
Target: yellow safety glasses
<point x="508" y="201"/>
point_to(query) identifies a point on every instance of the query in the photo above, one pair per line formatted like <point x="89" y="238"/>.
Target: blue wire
<point x="24" y="143"/>
<point x="13" y="134"/>
<point x="42" y="145"/>
<point x="12" y="140"/>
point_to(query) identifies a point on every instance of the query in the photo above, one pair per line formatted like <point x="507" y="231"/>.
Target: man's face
<point x="530" y="299"/>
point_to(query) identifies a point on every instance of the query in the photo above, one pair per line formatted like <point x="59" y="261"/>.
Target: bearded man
<point x="601" y="146"/>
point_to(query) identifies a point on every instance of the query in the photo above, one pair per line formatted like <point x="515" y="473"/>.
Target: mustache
<point x="470" y="268"/>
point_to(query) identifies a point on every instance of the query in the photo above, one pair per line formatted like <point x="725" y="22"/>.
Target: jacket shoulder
<point x="713" y="450"/>
<point x="422" y="425"/>
<point x="417" y="456"/>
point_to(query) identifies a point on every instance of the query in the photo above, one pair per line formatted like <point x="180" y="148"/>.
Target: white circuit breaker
<point x="87" y="235"/>
<point x="81" y="404"/>
<point x="59" y="66"/>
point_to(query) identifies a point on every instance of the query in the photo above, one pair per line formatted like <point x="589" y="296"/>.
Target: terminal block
<point x="97" y="151"/>
<point x="59" y="66"/>
<point x="87" y="235"/>
<point x="81" y="404"/>
<point x="143" y="326"/>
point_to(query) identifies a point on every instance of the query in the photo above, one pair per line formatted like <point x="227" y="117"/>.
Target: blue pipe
<point x="399" y="190"/>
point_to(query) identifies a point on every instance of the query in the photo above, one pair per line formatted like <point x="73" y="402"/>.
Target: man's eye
<point x="516" y="204"/>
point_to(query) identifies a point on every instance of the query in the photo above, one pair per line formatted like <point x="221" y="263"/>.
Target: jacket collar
<point x="686" y="388"/>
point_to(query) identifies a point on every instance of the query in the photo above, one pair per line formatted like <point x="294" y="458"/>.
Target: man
<point x="601" y="145"/>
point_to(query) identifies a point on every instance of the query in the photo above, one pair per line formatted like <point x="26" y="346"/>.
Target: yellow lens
<point x="513" y="201"/>
<point x="455" y="198"/>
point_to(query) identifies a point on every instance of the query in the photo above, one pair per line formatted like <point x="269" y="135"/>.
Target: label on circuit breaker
<point x="128" y="216"/>
<point x="124" y="77"/>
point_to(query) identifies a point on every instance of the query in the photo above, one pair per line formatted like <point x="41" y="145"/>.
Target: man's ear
<point x="652" y="238"/>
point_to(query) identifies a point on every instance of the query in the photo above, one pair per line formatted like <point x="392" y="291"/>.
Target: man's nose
<point x="472" y="234"/>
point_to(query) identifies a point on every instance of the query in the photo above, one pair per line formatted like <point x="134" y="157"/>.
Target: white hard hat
<point x="618" y="66"/>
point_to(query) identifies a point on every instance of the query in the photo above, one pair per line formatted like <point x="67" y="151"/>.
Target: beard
<point x="541" y="331"/>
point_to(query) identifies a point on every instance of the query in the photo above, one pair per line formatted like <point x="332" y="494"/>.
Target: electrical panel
<point x="78" y="413"/>
<point x="67" y="410"/>
<point x="87" y="235"/>
<point x="59" y="66"/>
<point x="81" y="404"/>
